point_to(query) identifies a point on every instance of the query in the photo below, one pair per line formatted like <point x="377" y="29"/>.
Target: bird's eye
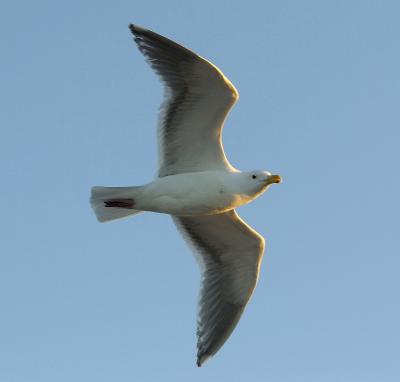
<point x="254" y="176"/>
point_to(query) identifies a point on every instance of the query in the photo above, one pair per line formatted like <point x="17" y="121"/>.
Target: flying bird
<point x="198" y="186"/>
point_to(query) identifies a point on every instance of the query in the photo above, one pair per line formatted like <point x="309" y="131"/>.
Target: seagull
<point x="198" y="186"/>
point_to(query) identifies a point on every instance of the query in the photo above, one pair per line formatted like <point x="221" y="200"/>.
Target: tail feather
<point x="103" y="201"/>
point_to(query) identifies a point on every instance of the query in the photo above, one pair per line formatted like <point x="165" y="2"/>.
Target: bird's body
<point x="197" y="193"/>
<point x="197" y="186"/>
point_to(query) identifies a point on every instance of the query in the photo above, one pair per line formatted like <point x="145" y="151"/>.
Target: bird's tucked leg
<point x="120" y="203"/>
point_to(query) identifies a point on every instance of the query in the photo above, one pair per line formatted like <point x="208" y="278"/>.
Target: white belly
<point x="201" y="193"/>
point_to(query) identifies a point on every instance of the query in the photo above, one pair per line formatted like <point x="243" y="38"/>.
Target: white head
<point x="254" y="183"/>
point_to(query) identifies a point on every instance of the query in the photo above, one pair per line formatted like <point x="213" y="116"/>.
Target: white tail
<point x="101" y="196"/>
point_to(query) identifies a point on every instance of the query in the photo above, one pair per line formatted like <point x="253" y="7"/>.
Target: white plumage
<point x="197" y="186"/>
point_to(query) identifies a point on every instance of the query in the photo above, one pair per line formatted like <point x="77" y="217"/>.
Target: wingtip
<point x="135" y="29"/>
<point x="201" y="358"/>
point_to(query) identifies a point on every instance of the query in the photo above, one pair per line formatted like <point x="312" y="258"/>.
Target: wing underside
<point x="229" y="253"/>
<point x="197" y="100"/>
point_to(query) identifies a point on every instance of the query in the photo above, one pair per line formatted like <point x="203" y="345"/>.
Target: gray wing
<point x="197" y="100"/>
<point x="229" y="254"/>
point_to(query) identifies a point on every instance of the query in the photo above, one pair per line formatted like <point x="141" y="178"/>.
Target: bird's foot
<point x="120" y="203"/>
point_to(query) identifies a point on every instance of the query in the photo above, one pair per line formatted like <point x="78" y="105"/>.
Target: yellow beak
<point x="273" y="179"/>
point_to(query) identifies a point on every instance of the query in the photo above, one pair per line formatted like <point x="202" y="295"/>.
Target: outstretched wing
<point x="197" y="100"/>
<point x="230" y="254"/>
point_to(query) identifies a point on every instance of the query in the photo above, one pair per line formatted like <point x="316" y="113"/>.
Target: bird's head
<point x="256" y="182"/>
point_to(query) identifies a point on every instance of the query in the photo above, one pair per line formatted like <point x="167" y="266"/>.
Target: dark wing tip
<point x="136" y="29"/>
<point x="149" y="40"/>
<point x="217" y="330"/>
<point x="201" y="358"/>
<point x="138" y="32"/>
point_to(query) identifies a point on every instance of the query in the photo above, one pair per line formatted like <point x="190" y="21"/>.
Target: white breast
<point x="200" y="193"/>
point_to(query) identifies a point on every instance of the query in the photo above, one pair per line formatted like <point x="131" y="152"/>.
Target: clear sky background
<point x="320" y="91"/>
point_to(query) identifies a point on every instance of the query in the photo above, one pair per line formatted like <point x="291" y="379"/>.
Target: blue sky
<point x="320" y="91"/>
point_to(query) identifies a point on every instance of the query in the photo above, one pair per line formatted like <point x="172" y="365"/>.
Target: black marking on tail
<point x="120" y="203"/>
